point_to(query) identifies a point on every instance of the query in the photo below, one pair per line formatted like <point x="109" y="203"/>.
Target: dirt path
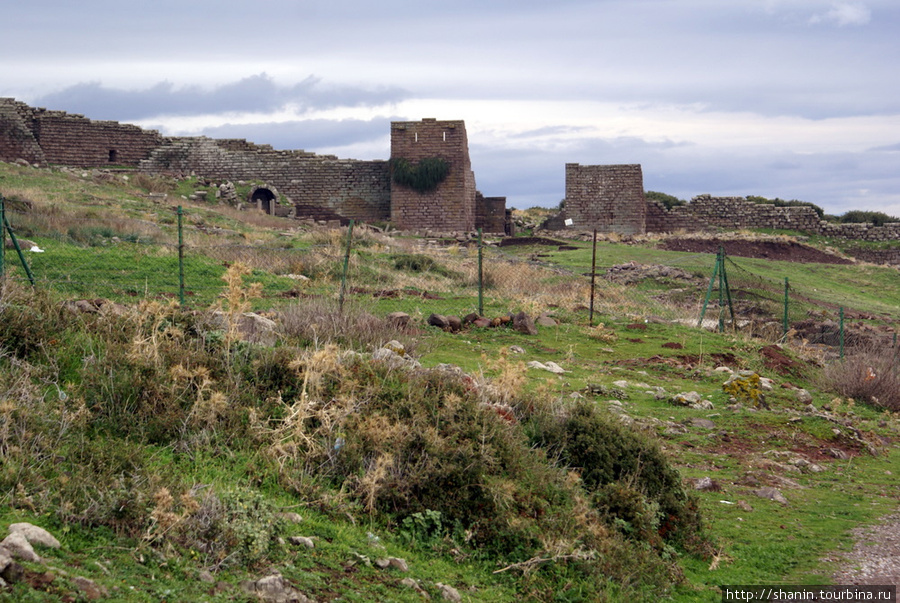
<point x="875" y="558"/>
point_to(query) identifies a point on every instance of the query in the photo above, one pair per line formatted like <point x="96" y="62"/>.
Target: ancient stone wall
<point x="490" y="214"/>
<point x="17" y="139"/>
<point x="608" y="198"/>
<point x="451" y="206"/>
<point x="319" y="186"/>
<point x="39" y="135"/>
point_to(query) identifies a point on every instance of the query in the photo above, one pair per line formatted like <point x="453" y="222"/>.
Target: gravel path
<point x="875" y="558"/>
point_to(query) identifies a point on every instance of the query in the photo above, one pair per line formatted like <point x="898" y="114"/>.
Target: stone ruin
<point x="299" y="184"/>
<point x="304" y="185"/>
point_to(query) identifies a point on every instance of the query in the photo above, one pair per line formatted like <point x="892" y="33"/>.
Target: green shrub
<point x="628" y="474"/>
<point x="424" y="176"/>
<point x="872" y="217"/>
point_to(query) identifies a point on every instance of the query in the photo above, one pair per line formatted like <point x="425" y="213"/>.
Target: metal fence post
<point x="593" y="279"/>
<point x="480" y="276"/>
<point x="346" y="267"/>
<point x="786" y="299"/>
<point x="841" y="336"/>
<point x="180" y="258"/>
<point x="2" y="235"/>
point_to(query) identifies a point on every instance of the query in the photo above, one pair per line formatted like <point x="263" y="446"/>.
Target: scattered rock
<point x="438" y="320"/>
<point x="206" y="576"/>
<point x="302" y="541"/>
<point x="35" y="535"/>
<point x="395" y="359"/>
<point x="744" y="506"/>
<point x="392" y="563"/>
<point x="454" y="323"/>
<point x="448" y="593"/>
<point x="18" y="547"/>
<point x="545" y="321"/>
<point x="410" y="583"/>
<point x="398" y="319"/>
<point x="515" y="349"/>
<point x="291" y="517"/>
<point x="275" y="589"/>
<point x="524" y="324"/>
<point x="771" y="494"/>
<point x="685" y="399"/>
<point x="707" y="483"/>
<point x="10" y="571"/>
<point x="549" y="366"/>
<point x="804" y="397"/>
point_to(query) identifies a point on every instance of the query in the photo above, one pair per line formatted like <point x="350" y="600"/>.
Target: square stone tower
<point x="450" y="206"/>
<point x="609" y="198"/>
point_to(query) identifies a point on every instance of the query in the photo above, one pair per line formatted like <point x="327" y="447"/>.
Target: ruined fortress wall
<point x="609" y="198"/>
<point x="17" y="139"/>
<point x="73" y="140"/>
<point x="451" y="206"/>
<point x="490" y="214"/>
<point x="320" y="186"/>
<point x="39" y="136"/>
<point x="737" y="213"/>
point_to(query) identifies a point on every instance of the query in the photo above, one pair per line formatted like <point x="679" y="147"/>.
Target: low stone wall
<point x="334" y="187"/>
<point x="737" y="213"/>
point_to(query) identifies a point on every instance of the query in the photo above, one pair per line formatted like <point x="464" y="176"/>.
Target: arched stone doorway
<point x="264" y="199"/>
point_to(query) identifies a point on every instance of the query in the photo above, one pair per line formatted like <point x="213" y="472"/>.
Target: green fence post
<point x="180" y="258"/>
<point x="786" y="298"/>
<point x="346" y="267"/>
<point x="709" y="289"/>
<point x="480" y="276"/>
<point x="593" y="278"/>
<point x="721" y="289"/>
<point x="841" y="336"/>
<point x="2" y="235"/>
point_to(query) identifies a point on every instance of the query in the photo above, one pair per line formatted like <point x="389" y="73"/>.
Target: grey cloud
<point x="258" y="93"/>
<point x="306" y="134"/>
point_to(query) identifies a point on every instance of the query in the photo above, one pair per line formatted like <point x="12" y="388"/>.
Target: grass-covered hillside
<point x="282" y="436"/>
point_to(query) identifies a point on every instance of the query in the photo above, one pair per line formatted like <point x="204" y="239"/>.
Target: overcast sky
<point x="797" y="99"/>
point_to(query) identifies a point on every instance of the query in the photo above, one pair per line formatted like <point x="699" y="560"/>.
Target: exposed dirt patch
<point x="787" y="251"/>
<point x="776" y="360"/>
<point x="511" y="241"/>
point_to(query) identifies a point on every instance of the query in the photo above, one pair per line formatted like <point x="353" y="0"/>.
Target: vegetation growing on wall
<point x="857" y="216"/>
<point x="669" y="201"/>
<point x="782" y="203"/>
<point x="424" y="176"/>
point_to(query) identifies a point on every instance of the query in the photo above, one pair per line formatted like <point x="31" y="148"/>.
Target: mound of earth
<point x="786" y="251"/>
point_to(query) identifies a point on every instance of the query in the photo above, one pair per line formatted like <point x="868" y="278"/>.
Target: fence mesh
<point x="83" y="258"/>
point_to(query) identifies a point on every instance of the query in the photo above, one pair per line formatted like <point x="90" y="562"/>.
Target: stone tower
<point x="451" y="206"/>
<point x="609" y="198"/>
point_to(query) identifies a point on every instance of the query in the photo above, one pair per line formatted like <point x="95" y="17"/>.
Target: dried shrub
<point x="869" y="375"/>
<point x="320" y="322"/>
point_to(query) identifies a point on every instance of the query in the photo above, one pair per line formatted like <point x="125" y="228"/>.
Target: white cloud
<point x="844" y="13"/>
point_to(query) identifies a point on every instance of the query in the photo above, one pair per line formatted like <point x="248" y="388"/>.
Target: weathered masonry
<point x="297" y="183"/>
<point x="608" y="198"/>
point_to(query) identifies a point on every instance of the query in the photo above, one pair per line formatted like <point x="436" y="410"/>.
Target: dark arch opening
<point x="264" y="199"/>
<point x="113" y="156"/>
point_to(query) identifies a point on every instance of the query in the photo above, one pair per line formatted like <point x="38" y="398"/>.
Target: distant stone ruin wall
<point x="17" y="139"/>
<point x="451" y="206"/>
<point x="737" y="213"/>
<point x="317" y="185"/>
<point x="490" y="214"/>
<point x="608" y="198"/>
<point x="42" y="136"/>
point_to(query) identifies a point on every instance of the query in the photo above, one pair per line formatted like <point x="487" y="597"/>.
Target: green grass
<point x="770" y="544"/>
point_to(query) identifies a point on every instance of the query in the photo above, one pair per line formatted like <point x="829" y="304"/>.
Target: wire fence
<point x="582" y="282"/>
